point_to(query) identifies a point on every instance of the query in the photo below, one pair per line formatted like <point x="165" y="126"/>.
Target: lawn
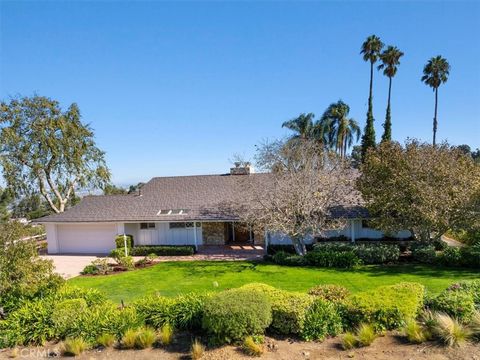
<point x="172" y="278"/>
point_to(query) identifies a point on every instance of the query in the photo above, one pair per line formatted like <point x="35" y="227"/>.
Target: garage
<point x="86" y="239"/>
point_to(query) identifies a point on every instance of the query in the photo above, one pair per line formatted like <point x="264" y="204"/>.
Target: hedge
<point x="120" y="241"/>
<point x="232" y="315"/>
<point x="163" y="250"/>
<point x="386" y="307"/>
<point x="322" y="319"/>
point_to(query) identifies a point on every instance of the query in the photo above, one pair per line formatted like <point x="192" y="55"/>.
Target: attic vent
<point x="173" y="212"/>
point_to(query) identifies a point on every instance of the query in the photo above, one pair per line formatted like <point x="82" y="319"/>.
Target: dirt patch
<point x="391" y="347"/>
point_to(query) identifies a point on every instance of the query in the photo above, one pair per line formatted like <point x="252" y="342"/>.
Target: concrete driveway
<point x="70" y="266"/>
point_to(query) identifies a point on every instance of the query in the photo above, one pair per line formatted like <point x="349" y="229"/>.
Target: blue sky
<point x="178" y="88"/>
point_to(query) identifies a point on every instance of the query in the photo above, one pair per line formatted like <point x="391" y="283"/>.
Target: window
<point x="173" y="212"/>
<point x="147" y="226"/>
<point x="182" y="225"/>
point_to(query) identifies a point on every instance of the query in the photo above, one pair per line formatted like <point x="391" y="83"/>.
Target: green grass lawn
<point x="172" y="278"/>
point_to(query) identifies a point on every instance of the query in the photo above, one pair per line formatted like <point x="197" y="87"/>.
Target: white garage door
<point x="91" y="238"/>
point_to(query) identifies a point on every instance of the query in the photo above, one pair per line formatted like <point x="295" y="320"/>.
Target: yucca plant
<point x="106" y="340"/>
<point x="250" y="347"/>
<point x="145" y="338"/>
<point x="349" y="341"/>
<point x="197" y="350"/>
<point x="450" y="331"/>
<point x="74" y="346"/>
<point x="129" y="338"/>
<point x="165" y="335"/>
<point x="366" y="334"/>
<point x="414" y="332"/>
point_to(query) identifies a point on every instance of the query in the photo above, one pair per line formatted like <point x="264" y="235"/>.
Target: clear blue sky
<point x="177" y="88"/>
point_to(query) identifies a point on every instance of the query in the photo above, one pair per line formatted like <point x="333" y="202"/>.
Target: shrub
<point x="475" y="324"/>
<point x="290" y="249"/>
<point x="377" y="253"/>
<point x="197" y="350"/>
<point x="126" y="262"/>
<point x="472" y="286"/>
<point x="366" y="334"/>
<point x="289" y="309"/>
<point x="424" y="254"/>
<point x="414" y="332"/>
<point x="322" y="320"/>
<point x="187" y="311"/>
<point x="65" y="315"/>
<point x="106" y="340"/>
<point x="386" y="307"/>
<point x="459" y="304"/>
<point x="166" y="334"/>
<point x="117" y="254"/>
<point x="120" y="242"/>
<point x="330" y="292"/>
<point x="451" y="256"/>
<point x="163" y="250"/>
<point x="471" y="256"/>
<point x="450" y="331"/>
<point x="349" y="341"/>
<point x="429" y="321"/>
<point x="439" y="244"/>
<point x="333" y="255"/>
<point x="233" y="314"/>
<point x="155" y="309"/>
<point x="89" y="270"/>
<point x="145" y="337"/>
<point x="129" y="338"/>
<point x="91" y="296"/>
<point x="251" y="348"/>
<point x="74" y="346"/>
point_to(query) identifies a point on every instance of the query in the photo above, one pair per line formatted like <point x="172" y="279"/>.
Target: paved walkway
<point x="69" y="266"/>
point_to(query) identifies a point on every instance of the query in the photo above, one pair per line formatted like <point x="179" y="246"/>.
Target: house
<point x="183" y="210"/>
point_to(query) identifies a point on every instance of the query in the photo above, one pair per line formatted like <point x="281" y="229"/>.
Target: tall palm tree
<point x="435" y="73"/>
<point x="342" y="129"/>
<point x="371" y="49"/>
<point x="390" y="60"/>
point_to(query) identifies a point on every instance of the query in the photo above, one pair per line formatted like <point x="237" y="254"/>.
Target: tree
<point x="390" y="60"/>
<point x="23" y="274"/>
<point x="371" y="49"/>
<point x="31" y="207"/>
<point x="435" y="73"/>
<point x="422" y="188"/>
<point x="111" y="189"/>
<point x="44" y="149"/>
<point x="342" y="129"/>
<point x="303" y="127"/>
<point x="301" y="193"/>
<point x="5" y="199"/>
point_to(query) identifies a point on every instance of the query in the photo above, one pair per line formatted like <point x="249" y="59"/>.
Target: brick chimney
<point x="242" y="169"/>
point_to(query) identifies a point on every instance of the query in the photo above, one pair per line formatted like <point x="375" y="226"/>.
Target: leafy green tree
<point x="420" y="187"/>
<point x="371" y="49"/>
<point x="5" y="200"/>
<point x="343" y="130"/>
<point x="111" y="189"/>
<point x="44" y="149"/>
<point x="23" y="274"/>
<point x="390" y="60"/>
<point x="435" y="73"/>
<point x="31" y="207"/>
<point x="135" y="188"/>
<point x="303" y="127"/>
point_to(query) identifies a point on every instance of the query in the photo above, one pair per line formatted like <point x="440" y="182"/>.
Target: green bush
<point x="332" y="255"/>
<point x="439" y="245"/>
<point x="91" y="296"/>
<point x="425" y="254"/>
<point x="183" y="312"/>
<point x="289" y="309"/>
<point x="471" y="256"/>
<point x="457" y="303"/>
<point x="120" y="242"/>
<point x="290" y="249"/>
<point x="328" y="292"/>
<point x="163" y="250"/>
<point x="322" y="320"/>
<point x="451" y="256"/>
<point x="472" y="286"/>
<point x="377" y="253"/>
<point x="90" y="270"/>
<point x="287" y="259"/>
<point x="119" y="253"/>
<point x="65" y="314"/>
<point x="234" y="314"/>
<point x="386" y="307"/>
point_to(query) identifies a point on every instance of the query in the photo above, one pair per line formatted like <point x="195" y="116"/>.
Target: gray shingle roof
<point x="206" y="197"/>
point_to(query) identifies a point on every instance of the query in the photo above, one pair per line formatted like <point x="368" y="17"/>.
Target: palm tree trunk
<point x="371" y="85"/>
<point x="435" y="118"/>
<point x="389" y="92"/>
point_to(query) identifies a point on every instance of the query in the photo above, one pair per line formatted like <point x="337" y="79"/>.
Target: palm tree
<point x="435" y="73"/>
<point x="305" y="128"/>
<point x="390" y="61"/>
<point x="371" y="51"/>
<point x="342" y="129"/>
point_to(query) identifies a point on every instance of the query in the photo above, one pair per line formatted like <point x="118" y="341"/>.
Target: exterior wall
<point x="52" y="242"/>
<point x="163" y="235"/>
<point x="213" y="233"/>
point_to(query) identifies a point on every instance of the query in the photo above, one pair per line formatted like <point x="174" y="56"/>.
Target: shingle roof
<point x="206" y="197"/>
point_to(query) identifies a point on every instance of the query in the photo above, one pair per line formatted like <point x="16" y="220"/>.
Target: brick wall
<point x="213" y="233"/>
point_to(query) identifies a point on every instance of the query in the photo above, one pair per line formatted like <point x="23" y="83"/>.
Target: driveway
<point x="70" y="266"/>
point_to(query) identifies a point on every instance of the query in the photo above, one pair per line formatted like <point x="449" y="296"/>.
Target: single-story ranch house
<point x="183" y="210"/>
